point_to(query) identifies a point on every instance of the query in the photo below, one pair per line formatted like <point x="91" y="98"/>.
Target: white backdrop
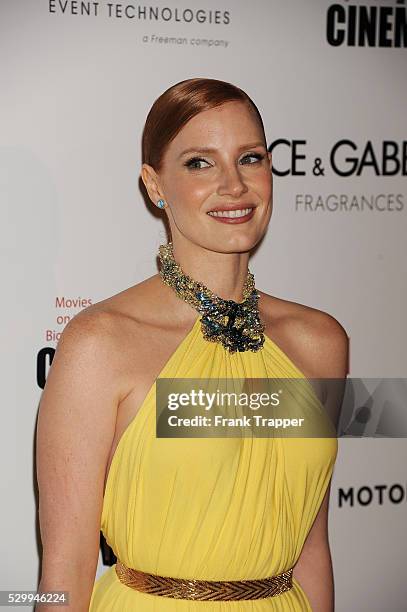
<point x="77" y="81"/>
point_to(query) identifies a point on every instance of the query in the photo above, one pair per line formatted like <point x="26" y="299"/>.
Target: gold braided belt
<point x="206" y="590"/>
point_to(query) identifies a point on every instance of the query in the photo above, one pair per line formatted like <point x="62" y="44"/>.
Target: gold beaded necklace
<point x="236" y="325"/>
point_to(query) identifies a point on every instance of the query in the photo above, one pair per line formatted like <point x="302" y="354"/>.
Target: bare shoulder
<point x="315" y="340"/>
<point x="111" y="319"/>
<point x="127" y="331"/>
<point x="93" y="334"/>
<point x="105" y="337"/>
<point x="92" y="324"/>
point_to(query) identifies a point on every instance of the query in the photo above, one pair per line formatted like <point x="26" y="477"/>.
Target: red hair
<point x="177" y="105"/>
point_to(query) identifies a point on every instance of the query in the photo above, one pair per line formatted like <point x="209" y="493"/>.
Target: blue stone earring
<point x="161" y="204"/>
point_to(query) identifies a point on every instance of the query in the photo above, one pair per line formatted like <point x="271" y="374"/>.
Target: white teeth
<point x="230" y="213"/>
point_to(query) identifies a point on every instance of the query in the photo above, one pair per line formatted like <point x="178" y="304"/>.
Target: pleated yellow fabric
<point x="211" y="508"/>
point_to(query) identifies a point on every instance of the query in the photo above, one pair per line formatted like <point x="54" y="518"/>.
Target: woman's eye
<point x="257" y="156"/>
<point x="194" y="160"/>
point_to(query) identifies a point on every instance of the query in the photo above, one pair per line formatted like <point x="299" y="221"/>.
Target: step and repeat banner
<point x="77" y="81"/>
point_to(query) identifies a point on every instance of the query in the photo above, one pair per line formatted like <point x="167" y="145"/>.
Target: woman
<point x="208" y="509"/>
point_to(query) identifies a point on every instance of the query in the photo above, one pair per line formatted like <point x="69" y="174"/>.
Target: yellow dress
<point x="211" y="508"/>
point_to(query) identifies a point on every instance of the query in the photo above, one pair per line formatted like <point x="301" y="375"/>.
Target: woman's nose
<point x="231" y="182"/>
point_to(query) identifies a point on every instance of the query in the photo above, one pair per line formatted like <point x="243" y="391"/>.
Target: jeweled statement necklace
<point x="236" y="325"/>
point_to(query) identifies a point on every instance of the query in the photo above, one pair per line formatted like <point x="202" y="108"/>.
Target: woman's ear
<point x="150" y="180"/>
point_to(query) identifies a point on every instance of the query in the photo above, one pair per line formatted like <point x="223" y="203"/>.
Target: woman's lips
<point x="234" y="220"/>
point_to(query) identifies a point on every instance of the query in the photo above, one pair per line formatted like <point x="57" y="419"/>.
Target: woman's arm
<point x="327" y="345"/>
<point x="76" y="425"/>
<point x="313" y="569"/>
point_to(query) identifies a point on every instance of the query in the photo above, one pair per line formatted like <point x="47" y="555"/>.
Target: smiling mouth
<point x="231" y="214"/>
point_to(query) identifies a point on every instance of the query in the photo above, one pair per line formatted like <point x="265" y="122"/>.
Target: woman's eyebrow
<point x="251" y="145"/>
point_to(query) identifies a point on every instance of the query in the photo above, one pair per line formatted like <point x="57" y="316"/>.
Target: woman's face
<point x="236" y="171"/>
